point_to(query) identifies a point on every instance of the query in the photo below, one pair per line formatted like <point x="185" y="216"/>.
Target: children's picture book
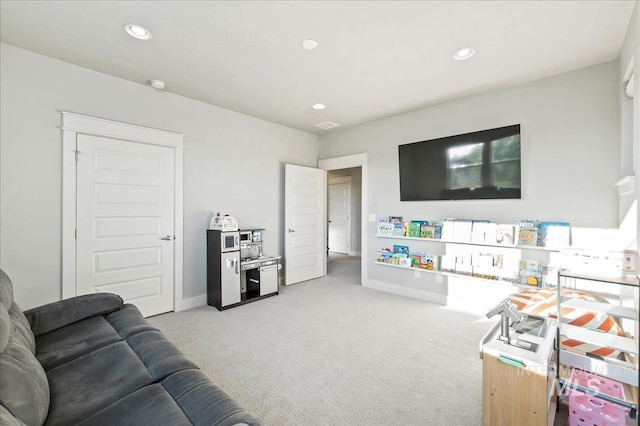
<point x="462" y="230"/>
<point x="405" y="262"/>
<point x="430" y="262"/>
<point x="427" y="231"/>
<point x="401" y="250"/>
<point x="505" y="234"/>
<point x="532" y="278"/>
<point x="555" y="234"/>
<point x="385" y="228"/>
<point x="398" y="229"/>
<point x="549" y="275"/>
<point x="530" y="273"/>
<point x="415" y="226"/>
<point x="478" y="230"/>
<point x="527" y="231"/>
<point x="437" y="230"/>
<point x="384" y="256"/>
<point x="447" y="228"/>
<point x="448" y="263"/>
<point x="416" y="258"/>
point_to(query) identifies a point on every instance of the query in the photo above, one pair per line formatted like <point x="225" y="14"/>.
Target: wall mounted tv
<point x="477" y="165"/>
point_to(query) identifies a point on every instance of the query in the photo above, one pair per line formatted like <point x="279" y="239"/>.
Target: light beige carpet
<point x="330" y="352"/>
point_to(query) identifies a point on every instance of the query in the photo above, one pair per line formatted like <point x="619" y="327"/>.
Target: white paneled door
<point x="125" y="221"/>
<point x="339" y="216"/>
<point x="305" y="223"/>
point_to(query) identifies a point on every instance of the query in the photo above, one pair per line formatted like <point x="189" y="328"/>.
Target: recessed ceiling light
<point x="157" y="84"/>
<point x="309" y="44"/>
<point x="137" y="31"/>
<point x="463" y="54"/>
<point x="319" y="106"/>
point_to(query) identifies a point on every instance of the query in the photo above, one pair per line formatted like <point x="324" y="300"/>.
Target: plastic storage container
<point x="586" y="409"/>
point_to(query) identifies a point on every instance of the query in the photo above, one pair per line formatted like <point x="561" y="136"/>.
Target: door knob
<point x="291" y="230"/>
<point x="167" y="238"/>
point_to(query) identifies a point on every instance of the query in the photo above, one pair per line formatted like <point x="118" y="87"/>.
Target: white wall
<point x="232" y="162"/>
<point x="570" y="148"/>
<point x="356" y="205"/>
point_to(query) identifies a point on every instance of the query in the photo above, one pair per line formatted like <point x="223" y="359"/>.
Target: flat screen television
<point x="478" y="165"/>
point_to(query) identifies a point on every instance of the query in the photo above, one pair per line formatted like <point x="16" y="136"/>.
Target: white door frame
<point x="347" y="236"/>
<point x="72" y="124"/>
<point x="346" y="162"/>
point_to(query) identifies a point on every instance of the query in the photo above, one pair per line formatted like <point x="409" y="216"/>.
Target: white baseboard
<point x="192" y="302"/>
<point x="354" y="253"/>
<point x="413" y="293"/>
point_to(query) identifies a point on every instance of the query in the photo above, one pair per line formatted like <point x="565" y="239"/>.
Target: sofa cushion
<point x="62" y="313"/>
<point x="27" y="396"/>
<point x="85" y="385"/>
<point x="204" y="402"/>
<point x="73" y="341"/>
<point x="160" y="356"/>
<point x="5" y="328"/>
<point x="7" y="419"/>
<point x="128" y="321"/>
<point x="21" y="328"/>
<point x="151" y="405"/>
<point x="6" y="291"/>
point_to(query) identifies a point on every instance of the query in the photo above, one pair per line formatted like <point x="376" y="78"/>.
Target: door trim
<point x="334" y="181"/>
<point x="72" y="125"/>
<point x="346" y="162"/>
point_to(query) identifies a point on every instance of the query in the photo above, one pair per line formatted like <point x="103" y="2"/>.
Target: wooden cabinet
<point x="518" y="384"/>
<point x="512" y="394"/>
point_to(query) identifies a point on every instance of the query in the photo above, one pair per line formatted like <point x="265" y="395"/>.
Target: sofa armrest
<point x="52" y="316"/>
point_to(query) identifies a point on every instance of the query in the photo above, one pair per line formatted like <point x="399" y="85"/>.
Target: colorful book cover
<point x="555" y="234"/>
<point x="427" y="231"/>
<point x="437" y="230"/>
<point x="384" y="256"/>
<point x="430" y="262"/>
<point x="416" y="258"/>
<point x="527" y="236"/>
<point x="415" y="226"/>
<point x="527" y="231"/>
<point x="531" y="278"/>
<point x="402" y="250"/>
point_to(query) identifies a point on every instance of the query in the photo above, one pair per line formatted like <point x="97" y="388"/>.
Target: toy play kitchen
<point x="518" y="370"/>
<point x="238" y="272"/>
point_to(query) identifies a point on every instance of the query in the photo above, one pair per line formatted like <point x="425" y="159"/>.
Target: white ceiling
<point x="374" y="59"/>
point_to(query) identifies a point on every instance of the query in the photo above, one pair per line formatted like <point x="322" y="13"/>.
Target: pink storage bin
<point x="589" y="410"/>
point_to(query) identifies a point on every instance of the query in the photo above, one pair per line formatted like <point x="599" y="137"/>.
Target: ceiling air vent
<point x="327" y="125"/>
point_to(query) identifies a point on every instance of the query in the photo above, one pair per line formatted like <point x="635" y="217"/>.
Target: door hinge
<point x="75" y="234"/>
<point x="77" y="152"/>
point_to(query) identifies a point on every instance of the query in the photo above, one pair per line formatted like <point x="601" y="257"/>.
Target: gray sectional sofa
<point x="92" y="360"/>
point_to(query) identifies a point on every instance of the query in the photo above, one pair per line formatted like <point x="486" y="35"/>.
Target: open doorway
<point x="344" y="222"/>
